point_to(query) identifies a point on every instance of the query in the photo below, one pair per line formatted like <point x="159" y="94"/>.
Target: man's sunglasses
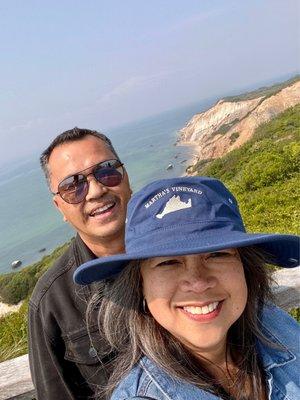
<point x="74" y="188"/>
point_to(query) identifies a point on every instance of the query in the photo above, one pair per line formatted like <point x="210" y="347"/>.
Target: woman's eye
<point x="167" y="262"/>
<point x="220" y="254"/>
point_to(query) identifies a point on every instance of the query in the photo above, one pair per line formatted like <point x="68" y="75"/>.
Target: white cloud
<point x="123" y="89"/>
<point x="26" y="125"/>
<point x="129" y="86"/>
<point x="195" y="19"/>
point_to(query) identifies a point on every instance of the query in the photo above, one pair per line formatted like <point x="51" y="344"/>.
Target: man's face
<point x="100" y="217"/>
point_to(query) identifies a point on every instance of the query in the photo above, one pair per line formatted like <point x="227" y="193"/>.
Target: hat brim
<point x="284" y="250"/>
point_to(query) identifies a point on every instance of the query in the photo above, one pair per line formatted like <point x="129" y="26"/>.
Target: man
<point x="91" y="189"/>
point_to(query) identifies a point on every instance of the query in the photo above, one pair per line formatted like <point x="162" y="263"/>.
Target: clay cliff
<point x="229" y="124"/>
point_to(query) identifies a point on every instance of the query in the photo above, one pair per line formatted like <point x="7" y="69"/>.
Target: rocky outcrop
<point x="7" y="308"/>
<point x="229" y="124"/>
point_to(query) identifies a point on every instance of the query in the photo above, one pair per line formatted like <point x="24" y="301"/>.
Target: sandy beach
<point x="192" y="159"/>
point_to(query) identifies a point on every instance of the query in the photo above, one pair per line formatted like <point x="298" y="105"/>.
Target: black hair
<point x="70" y="136"/>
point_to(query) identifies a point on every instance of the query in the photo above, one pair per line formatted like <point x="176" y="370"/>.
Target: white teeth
<point x="102" y="209"/>
<point x="202" y="310"/>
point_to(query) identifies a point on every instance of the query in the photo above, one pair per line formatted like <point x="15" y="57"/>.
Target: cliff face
<point x="227" y="125"/>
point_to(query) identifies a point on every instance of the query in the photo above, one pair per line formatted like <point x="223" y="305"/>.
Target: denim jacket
<point x="147" y="381"/>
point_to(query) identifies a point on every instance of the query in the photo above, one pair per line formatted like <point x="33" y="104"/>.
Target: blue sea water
<point x="28" y="220"/>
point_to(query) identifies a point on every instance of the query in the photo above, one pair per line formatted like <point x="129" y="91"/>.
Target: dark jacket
<point x="64" y="363"/>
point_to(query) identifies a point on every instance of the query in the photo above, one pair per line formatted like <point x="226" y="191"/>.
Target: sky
<point x="100" y="64"/>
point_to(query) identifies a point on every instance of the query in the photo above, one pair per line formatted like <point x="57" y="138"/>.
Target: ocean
<point x="29" y="222"/>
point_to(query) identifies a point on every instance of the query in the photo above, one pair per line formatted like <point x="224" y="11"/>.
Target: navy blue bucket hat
<point x="186" y="215"/>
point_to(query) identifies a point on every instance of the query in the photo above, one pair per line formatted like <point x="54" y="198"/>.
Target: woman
<point x="188" y="310"/>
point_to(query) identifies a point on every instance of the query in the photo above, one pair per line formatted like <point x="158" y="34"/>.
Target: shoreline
<point x="194" y="157"/>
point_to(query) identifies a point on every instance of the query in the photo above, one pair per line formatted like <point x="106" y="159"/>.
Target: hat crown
<point x="172" y="208"/>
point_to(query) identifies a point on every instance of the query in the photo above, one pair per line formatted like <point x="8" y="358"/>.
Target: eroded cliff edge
<point x="231" y="122"/>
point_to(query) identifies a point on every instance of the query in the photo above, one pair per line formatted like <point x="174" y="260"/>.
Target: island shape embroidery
<point x="174" y="204"/>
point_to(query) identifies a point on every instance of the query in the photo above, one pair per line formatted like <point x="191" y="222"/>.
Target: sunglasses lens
<point x="108" y="176"/>
<point x="74" y="189"/>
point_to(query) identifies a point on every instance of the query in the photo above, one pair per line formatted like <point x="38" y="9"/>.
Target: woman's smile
<point x="202" y="313"/>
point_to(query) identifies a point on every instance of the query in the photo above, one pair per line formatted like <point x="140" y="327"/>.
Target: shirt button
<point x="93" y="352"/>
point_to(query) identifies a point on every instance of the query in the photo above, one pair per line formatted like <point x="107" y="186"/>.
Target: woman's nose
<point x="197" y="277"/>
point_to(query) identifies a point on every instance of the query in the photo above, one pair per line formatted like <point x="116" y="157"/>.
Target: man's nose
<point x="96" y="189"/>
<point x="197" y="277"/>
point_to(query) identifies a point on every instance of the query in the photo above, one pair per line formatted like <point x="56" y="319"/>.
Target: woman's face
<point x="196" y="297"/>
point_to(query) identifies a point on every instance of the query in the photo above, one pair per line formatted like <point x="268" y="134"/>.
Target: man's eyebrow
<point x="83" y="170"/>
<point x="70" y="176"/>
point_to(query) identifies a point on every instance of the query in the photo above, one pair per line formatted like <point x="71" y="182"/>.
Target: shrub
<point x="17" y="286"/>
<point x="295" y="313"/>
<point x="264" y="175"/>
<point x="234" y="136"/>
<point x="13" y="334"/>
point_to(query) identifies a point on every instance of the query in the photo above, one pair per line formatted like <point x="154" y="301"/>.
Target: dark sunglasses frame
<point x="80" y="177"/>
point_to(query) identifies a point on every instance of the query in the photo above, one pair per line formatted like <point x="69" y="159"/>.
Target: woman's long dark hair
<point x="132" y="333"/>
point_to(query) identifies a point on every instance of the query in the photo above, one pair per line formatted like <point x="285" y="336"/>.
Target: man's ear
<point x="127" y="177"/>
<point x="56" y="204"/>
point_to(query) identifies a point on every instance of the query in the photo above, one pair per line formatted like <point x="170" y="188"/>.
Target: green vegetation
<point x="13" y="334"/>
<point x="264" y="175"/>
<point x="198" y="165"/>
<point x="234" y="136"/>
<point x="17" y="286"/>
<point x="264" y="91"/>
<point x="295" y="313"/>
<point x="225" y="127"/>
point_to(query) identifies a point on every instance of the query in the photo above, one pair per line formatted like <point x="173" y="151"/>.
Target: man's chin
<point x="109" y="231"/>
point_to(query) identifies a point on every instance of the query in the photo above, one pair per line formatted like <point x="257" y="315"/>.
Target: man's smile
<point x="102" y="209"/>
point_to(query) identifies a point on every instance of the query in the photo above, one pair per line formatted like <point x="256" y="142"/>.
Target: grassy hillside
<point x="266" y="91"/>
<point x="15" y="287"/>
<point x="264" y="175"/>
<point x="13" y="334"/>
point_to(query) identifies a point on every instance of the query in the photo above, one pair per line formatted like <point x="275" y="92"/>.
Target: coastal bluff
<point x="232" y="121"/>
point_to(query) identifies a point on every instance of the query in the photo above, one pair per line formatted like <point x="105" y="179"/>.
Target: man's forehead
<point x="72" y="157"/>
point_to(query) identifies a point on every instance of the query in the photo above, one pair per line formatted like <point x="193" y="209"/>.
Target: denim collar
<point x="277" y="355"/>
<point x="172" y="388"/>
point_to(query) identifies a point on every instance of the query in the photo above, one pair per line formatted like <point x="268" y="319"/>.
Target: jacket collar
<point x="281" y="352"/>
<point x="173" y="389"/>
<point x="81" y="252"/>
